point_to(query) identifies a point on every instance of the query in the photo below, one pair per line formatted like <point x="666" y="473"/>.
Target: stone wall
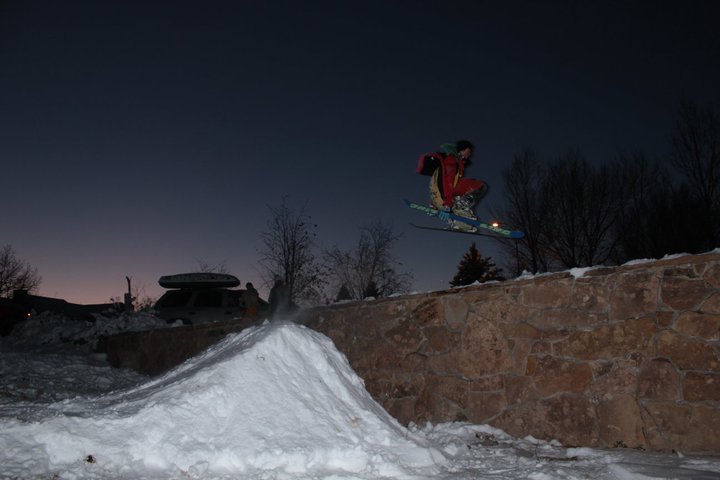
<point x="155" y="351"/>
<point x="625" y="356"/>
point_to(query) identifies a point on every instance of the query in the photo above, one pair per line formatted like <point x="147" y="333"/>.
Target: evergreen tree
<point x="343" y="294"/>
<point x="475" y="268"/>
<point x="371" y="291"/>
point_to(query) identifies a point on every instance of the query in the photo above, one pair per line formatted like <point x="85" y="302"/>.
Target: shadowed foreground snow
<point x="272" y="402"/>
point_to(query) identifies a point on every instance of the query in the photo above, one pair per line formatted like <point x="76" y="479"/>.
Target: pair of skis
<point x="483" y="228"/>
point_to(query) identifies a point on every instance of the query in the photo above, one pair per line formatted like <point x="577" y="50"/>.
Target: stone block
<point x="520" y="330"/>
<point x="712" y="274"/>
<point x="682" y="293"/>
<point x="541" y="348"/>
<point x="590" y="297"/>
<point x="620" y="380"/>
<point x="702" y="387"/>
<point x="483" y="349"/>
<point x="571" y="419"/>
<point x="404" y="410"/>
<point x="368" y="354"/>
<point x="455" y="310"/>
<point x="405" y="337"/>
<point x="664" y="319"/>
<point x="682" y="427"/>
<point x="483" y="406"/>
<point x="659" y="380"/>
<point x="450" y="388"/>
<point x="502" y="312"/>
<point x="633" y="294"/>
<point x="608" y="341"/>
<point x="621" y="423"/>
<point x="712" y="304"/>
<point x="568" y="318"/>
<point x="553" y="375"/>
<point x="368" y="327"/>
<point x="431" y="408"/>
<point x="520" y="389"/>
<point x="485" y="293"/>
<point x="438" y="339"/>
<point x="444" y="363"/>
<point x="703" y="325"/>
<point x="520" y="351"/>
<point x="547" y="294"/>
<point x="428" y="312"/>
<point x="688" y="353"/>
<point x="489" y="383"/>
<point x="339" y="336"/>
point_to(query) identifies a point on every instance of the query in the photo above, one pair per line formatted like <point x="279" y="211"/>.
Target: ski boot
<point x="461" y="210"/>
<point x="464" y="207"/>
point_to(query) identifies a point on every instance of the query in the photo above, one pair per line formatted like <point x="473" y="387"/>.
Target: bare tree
<point x="568" y="210"/>
<point x="584" y="202"/>
<point x="574" y="213"/>
<point x="206" y="267"/>
<point x="288" y="254"/>
<point x="16" y="274"/>
<point x="525" y="210"/>
<point x="696" y="154"/>
<point x="645" y="227"/>
<point x="371" y="269"/>
<point x="141" y="301"/>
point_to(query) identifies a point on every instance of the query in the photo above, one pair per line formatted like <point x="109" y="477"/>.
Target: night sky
<point x="144" y="138"/>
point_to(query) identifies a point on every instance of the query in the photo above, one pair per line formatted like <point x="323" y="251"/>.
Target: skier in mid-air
<point x="450" y="191"/>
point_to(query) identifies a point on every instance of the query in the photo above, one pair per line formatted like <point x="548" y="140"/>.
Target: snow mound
<point x="279" y="399"/>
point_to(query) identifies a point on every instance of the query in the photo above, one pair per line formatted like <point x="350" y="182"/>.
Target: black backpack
<point x="429" y="162"/>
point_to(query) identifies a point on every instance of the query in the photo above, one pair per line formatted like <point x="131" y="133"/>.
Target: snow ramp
<point x="277" y="400"/>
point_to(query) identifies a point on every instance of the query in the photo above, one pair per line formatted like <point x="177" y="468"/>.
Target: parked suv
<point x="200" y="305"/>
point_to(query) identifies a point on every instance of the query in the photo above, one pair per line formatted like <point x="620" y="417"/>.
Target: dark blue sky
<point x="142" y="138"/>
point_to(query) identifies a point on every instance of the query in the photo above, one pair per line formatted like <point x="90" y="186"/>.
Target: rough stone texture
<point x="590" y="296"/>
<point x="694" y="324"/>
<point x="483" y="349"/>
<point x="632" y="294"/>
<point x="701" y="387"/>
<point x="623" y="356"/>
<point x="683" y="427"/>
<point x="608" y="341"/>
<point x="689" y="353"/>
<point x="456" y="310"/>
<point x="548" y="294"/>
<point x="683" y="290"/>
<point x="552" y="374"/>
<point x="614" y="379"/>
<point x="569" y="417"/>
<point x="659" y="380"/>
<point x="621" y="422"/>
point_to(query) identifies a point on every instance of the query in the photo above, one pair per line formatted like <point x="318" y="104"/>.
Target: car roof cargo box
<point x="199" y="280"/>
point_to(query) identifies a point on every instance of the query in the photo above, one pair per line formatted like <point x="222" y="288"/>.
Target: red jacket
<point x="451" y="170"/>
<point x="451" y="181"/>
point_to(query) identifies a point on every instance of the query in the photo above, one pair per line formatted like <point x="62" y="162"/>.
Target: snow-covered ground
<point x="277" y="401"/>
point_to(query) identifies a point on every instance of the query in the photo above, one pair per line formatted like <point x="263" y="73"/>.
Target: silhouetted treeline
<point x="576" y="213"/>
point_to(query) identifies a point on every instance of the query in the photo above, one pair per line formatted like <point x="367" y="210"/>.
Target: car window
<point x="174" y="299"/>
<point x="209" y="298"/>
